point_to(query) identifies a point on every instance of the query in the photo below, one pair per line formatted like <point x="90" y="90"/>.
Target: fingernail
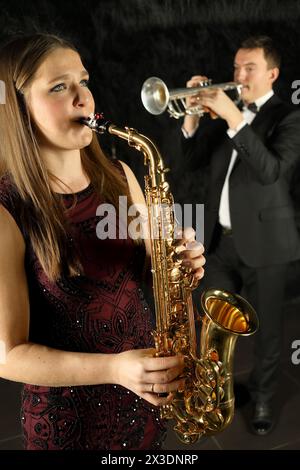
<point x="186" y="263"/>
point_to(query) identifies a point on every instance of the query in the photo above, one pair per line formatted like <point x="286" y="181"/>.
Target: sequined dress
<point x="102" y="311"/>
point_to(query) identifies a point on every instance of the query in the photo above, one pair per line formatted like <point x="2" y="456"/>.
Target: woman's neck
<point x="67" y="169"/>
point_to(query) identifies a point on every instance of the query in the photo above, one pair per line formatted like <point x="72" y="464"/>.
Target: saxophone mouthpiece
<point x="96" y="122"/>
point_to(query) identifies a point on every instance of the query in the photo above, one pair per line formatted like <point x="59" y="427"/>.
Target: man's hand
<point x="191" y="122"/>
<point x="216" y="100"/>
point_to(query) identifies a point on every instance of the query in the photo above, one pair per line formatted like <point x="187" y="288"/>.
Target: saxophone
<point x="206" y="405"/>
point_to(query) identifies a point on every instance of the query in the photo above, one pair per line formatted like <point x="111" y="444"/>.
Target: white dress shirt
<point x="224" y="209"/>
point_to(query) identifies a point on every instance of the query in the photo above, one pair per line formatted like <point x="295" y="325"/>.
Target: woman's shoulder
<point x="9" y="197"/>
<point x="124" y="169"/>
<point x="12" y="244"/>
<point x="119" y="166"/>
<point x="133" y="184"/>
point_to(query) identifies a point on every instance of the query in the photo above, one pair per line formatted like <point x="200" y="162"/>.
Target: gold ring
<point x="152" y="388"/>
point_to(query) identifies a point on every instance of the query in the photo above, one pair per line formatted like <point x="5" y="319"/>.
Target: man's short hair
<point x="265" y="43"/>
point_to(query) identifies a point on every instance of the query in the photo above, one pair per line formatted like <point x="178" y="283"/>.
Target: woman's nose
<point x="82" y="97"/>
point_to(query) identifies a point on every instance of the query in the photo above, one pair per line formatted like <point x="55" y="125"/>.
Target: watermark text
<point x="159" y="221"/>
<point x="296" y="93"/>
<point x="296" y="354"/>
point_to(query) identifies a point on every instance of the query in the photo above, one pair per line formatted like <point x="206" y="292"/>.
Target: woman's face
<point x="57" y="98"/>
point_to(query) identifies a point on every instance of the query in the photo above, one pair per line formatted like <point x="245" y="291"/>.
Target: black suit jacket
<point x="261" y="208"/>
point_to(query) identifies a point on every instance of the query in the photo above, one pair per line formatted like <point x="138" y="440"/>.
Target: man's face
<point x="252" y="71"/>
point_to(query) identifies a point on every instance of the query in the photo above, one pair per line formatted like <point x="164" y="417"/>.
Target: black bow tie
<point x="251" y="106"/>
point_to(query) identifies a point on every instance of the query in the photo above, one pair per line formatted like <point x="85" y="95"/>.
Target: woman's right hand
<point x="147" y="376"/>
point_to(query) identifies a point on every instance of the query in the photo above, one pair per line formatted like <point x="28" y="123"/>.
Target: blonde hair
<point x="43" y="214"/>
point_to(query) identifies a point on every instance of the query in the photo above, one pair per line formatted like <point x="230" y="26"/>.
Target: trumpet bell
<point x="155" y="95"/>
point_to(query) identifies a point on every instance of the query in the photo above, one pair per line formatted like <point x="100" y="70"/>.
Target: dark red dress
<point x="102" y="311"/>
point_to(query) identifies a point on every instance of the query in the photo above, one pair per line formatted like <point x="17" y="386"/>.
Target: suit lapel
<point x="265" y="115"/>
<point x="261" y="122"/>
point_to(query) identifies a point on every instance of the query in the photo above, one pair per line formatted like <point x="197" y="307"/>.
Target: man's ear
<point x="274" y="74"/>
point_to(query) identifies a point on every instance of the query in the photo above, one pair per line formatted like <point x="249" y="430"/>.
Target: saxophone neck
<point x="152" y="156"/>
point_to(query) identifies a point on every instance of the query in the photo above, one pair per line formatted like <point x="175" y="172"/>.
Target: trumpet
<point x="156" y="97"/>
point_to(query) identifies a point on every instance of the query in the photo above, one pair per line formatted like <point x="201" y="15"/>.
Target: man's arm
<point x="268" y="162"/>
<point x="271" y="161"/>
<point x="196" y="150"/>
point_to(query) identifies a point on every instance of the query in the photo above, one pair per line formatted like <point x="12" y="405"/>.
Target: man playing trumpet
<point x="250" y="228"/>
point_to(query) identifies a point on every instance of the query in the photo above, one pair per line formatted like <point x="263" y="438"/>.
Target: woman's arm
<point x="138" y="199"/>
<point x="36" y="364"/>
<point x="24" y="361"/>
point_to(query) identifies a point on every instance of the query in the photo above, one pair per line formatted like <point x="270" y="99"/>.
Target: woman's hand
<point x="190" y="252"/>
<point x="147" y="376"/>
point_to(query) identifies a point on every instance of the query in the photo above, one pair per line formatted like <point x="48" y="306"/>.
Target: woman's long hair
<point x="43" y="214"/>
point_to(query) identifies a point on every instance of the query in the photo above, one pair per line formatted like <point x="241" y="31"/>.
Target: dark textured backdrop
<point x="125" y="42"/>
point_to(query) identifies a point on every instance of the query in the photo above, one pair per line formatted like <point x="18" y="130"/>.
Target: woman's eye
<point x="85" y="82"/>
<point x="59" y="87"/>
<point x="63" y="86"/>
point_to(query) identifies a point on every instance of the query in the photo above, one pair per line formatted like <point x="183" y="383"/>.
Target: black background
<point x="125" y="42"/>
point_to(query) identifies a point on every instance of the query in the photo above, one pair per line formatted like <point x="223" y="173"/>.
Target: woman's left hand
<point x="190" y="252"/>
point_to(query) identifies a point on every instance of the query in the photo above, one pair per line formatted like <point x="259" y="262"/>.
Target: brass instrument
<point x="206" y="405"/>
<point x="157" y="98"/>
